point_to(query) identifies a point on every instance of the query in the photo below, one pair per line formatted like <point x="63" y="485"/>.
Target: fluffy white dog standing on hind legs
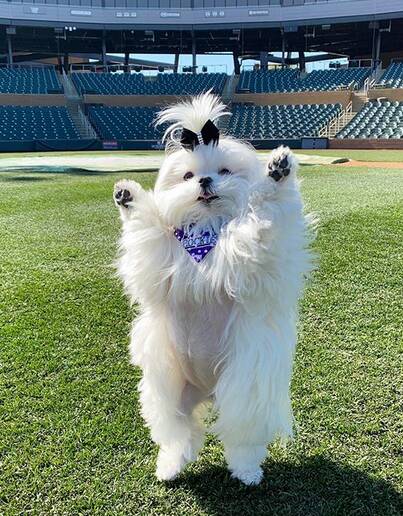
<point x="216" y="258"/>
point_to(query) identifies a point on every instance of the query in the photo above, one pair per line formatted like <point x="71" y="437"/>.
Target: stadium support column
<point x="9" y="50"/>
<point x="104" y="49"/>
<point x="301" y="59"/>
<point x="237" y="66"/>
<point x="176" y="62"/>
<point x="127" y="62"/>
<point x="264" y="60"/>
<point x="282" y="49"/>
<point x="376" y="45"/>
<point x="377" y="49"/>
<point x="194" y="63"/>
<point x="66" y="62"/>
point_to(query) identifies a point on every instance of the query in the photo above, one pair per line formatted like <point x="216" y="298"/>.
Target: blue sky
<point x="217" y="63"/>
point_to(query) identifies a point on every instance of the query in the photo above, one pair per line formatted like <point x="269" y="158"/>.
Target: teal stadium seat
<point x="247" y="122"/>
<point x="36" y="80"/>
<point x="392" y="77"/>
<point x="324" y="80"/>
<point x="274" y="122"/>
<point x="125" y="123"/>
<point x="263" y="81"/>
<point x="376" y="120"/>
<point x="27" y="123"/>
<point x="138" y="84"/>
<point x="289" y="80"/>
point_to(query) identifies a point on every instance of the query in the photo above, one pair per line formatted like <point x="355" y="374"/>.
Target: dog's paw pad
<point x="122" y="195"/>
<point x="249" y="477"/>
<point x="280" y="164"/>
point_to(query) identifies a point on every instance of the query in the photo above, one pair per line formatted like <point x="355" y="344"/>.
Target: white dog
<point x="216" y="258"/>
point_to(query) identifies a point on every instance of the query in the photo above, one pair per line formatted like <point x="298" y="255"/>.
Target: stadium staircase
<point x="359" y="99"/>
<point x="337" y="123"/>
<point x="230" y="88"/>
<point x="74" y="105"/>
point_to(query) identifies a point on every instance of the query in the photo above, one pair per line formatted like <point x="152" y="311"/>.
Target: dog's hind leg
<point x="176" y="425"/>
<point x="244" y="461"/>
<point x="252" y="394"/>
<point x="168" y="404"/>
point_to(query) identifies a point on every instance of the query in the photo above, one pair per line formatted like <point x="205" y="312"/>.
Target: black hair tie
<point x="209" y="133"/>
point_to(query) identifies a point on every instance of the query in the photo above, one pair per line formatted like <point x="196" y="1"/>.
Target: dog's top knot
<point x="196" y="116"/>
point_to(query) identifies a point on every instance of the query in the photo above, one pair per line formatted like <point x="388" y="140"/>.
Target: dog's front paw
<point x="124" y="192"/>
<point x="281" y="163"/>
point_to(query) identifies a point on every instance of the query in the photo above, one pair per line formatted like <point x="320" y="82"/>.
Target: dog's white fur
<point x="222" y="330"/>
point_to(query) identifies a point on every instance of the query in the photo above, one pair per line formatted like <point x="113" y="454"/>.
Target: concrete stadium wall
<point x="13" y="99"/>
<point x="366" y="144"/>
<point x="303" y="97"/>
<point x="260" y="99"/>
<point x="389" y="93"/>
<point x="132" y="100"/>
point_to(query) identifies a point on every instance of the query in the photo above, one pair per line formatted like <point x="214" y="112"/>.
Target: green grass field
<point x="359" y="155"/>
<point x="71" y="438"/>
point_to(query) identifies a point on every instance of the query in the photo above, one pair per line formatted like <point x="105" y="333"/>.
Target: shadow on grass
<point x="54" y="170"/>
<point x="317" y="487"/>
<point x="22" y="179"/>
<point x="72" y="171"/>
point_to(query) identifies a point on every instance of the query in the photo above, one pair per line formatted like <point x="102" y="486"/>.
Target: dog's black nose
<point x="205" y="182"/>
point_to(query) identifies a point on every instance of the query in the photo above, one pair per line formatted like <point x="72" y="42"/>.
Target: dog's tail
<point x="190" y="114"/>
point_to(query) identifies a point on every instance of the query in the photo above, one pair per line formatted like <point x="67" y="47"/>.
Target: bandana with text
<point x="197" y="244"/>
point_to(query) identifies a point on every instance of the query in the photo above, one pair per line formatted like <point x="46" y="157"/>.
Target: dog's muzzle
<point x="207" y="194"/>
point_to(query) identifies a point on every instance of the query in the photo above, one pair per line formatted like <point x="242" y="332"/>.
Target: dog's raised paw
<point x="280" y="163"/>
<point x="122" y="194"/>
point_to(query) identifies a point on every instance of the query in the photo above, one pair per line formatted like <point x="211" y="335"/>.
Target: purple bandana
<point x="197" y="245"/>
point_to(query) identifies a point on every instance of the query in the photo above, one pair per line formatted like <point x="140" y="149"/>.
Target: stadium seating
<point x="288" y="81"/>
<point x="124" y="123"/>
<point x="27" y="123"/>
<point x="137" y="84"/>
<point x="322" y="80"/>
<point x="29" y="80"/>
<point x="271" y="122"/>
<point x="249" y="122"/>
<point x="392" y="76"/>
<point x="269" y="80"/>
<point x="376" y="120"/>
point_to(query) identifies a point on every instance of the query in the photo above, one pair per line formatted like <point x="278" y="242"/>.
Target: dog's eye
<point x="188" y="175"/>
<point x="224" y="172"/>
